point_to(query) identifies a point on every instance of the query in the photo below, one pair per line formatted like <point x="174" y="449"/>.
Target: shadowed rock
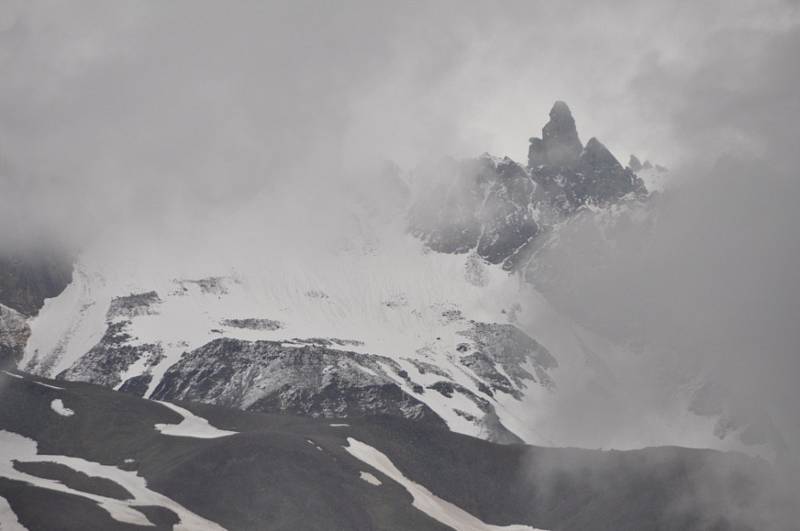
<point x="559" y="145"/>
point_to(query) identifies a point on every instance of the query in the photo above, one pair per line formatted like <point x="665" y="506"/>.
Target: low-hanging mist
<point x="191" y="140"/>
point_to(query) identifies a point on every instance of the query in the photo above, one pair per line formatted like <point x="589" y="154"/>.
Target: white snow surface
<point x="57" y="405"/>
<point x="18" y="448"/>
<point x="42" y="384"/>
<point x="8" y="519"/>
<point x="369" y="478"/>
<point x="190" y="426"/>
<point x="424" y="500"/>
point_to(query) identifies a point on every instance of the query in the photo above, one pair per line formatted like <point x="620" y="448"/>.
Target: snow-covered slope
<point x="268" y="309"/>
<point x="405" y="317"/>
<point x="396" y="330"/>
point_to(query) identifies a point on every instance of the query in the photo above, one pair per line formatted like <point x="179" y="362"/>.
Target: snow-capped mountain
<point x="426" y="307"/>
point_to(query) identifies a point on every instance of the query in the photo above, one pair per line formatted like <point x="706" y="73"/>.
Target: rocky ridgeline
<point x="497" y="207"/>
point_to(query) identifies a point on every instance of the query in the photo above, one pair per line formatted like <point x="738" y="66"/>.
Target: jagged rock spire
<point x="634" y="163"/>
<point x="559" y="145"/>
<point x="598" y="157"/>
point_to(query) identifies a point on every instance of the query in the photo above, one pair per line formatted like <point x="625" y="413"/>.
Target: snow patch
<point x="57" y="405"/>
<point x="14" y="375"/>
<point x="19" y="448"/>
<point x="49" y="386"/>
<point x="424" y="500"/>
<point x="315" y="445"/>
<point x="369" y="478"/>
<point x="339" y="425"/>
<point x="190" y="426"/>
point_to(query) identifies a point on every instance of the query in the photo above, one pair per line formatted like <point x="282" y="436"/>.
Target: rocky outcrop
<point x="495" y="208"/>
<point x="133" y="305"/>
<point x="559" y="145"/>
<point x="252" y="323"/>
<point x="502" y="356"/>
<point x="28" y="278"/>
<point x="14" y="333"/>
<point x="272" y="377"/>
<point x="635" y="164"/>
<point x="317" y="381"/>
<point x="571" y="175"/>
<point x="111" y="357"/>
<point x="596" y="178"/>
<point x="485" y="204"/>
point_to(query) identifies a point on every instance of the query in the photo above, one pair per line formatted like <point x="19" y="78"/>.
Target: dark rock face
<point x="484" y="204"/>
<point x="595" y="178"/>
<point x="27" y="279"/>
<point x="339" y="399"/>
<point x="14" y="333"/>
<point x="133" y="305"/>
<point x="311" y="380"/>
<point x="252" y="323"/>
<point x="571" y="175"/>
<point x="559" y="145"/>
<point x="111" y="356"/>
<point x="496" y="208"/>
<point x="506" y="347"/>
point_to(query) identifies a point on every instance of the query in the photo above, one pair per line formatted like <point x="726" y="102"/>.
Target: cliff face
<point x="28" y="278"/>
<point x="497" y="207"/>
<point x="14" y="333"/>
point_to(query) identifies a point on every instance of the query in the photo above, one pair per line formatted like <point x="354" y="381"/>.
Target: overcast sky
<point x="169" y="112"/>
<point x="134" y="109"/>
<point x="130" y="112"/>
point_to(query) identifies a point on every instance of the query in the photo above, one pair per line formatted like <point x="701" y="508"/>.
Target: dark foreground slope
<point x="294" y="473"/>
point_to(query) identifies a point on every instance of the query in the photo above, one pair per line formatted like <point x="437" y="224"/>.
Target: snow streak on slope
<point x="19" y="448"/>
<point x="190" y="426"/>
<point x="70" y="323"/>
<point x="424" y="500"/>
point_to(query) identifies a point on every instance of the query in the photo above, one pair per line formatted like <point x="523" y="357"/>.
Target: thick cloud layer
<point x="711" y="280"/>
<point x="152" y="111"/>
<point x="174" y="115"/>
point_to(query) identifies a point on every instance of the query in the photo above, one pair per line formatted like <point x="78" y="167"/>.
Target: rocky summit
<point x="496" y="207"/>
<point x="559" y="145"/>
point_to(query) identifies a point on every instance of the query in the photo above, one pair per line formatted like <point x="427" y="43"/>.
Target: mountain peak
<point x="559" y="145"/>
<point x="560" y="110"/>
